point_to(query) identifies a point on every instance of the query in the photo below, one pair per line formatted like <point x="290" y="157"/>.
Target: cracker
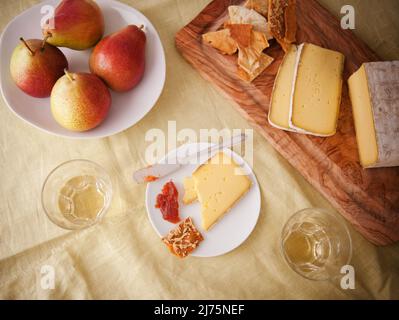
<point x="241" y="33"/>
<point x="242" y="15"/>
<point x="221" y="40"/>
<point x="259" y="41"/>
<point x="282" y="21"/>
<point x="259" y="6"/>
<point x="263" y="62"/>
<point x="183" y="239"/>
<point x="248" y="56"/>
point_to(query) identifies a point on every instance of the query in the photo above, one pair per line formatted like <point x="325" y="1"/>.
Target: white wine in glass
<point x="77" y="194"/>
<point x="316" y="244"/>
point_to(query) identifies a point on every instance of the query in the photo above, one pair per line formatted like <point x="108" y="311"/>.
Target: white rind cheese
<point x="316" y="90"/>
<point x="307" y="91"/>
<point x="280" y="101"/>
<point x="374" y="93"/>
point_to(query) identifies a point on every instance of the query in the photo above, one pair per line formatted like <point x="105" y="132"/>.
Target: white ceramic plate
<point x="127" y="108"/>
<point x="230" y="231"/>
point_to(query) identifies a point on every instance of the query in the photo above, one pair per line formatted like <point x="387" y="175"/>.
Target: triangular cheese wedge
<point x="219" y="184"/>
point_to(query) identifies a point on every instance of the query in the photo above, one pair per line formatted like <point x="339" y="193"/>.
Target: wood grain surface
<point x="367" y="198"/>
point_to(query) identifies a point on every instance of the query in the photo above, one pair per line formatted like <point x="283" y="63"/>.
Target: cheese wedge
<point x="316" y="91"/>
<point x="190" y="195"/>
<point x="219" y="184"/>
<point x="280" y="102"/>
<point x="374" y="93"/>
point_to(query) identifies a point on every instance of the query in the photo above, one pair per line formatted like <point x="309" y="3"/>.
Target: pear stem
<point x="68" y="74"/>
<point x="48" y="35"/>
<point x="27" y="47"/>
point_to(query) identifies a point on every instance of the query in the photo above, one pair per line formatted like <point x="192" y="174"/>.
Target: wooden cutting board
<point x="368" y="198"/>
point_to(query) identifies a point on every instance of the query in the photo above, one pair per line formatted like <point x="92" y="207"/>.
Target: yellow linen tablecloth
<point x="123" y="257"/>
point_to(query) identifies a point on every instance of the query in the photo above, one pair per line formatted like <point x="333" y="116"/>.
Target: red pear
<point x="119" y="58"/>
<point x="77" y="24"/>
<point x="35" y="67"/>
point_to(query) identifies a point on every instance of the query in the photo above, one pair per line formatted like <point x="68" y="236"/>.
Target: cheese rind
<point x="190" y="194"/>
<point x="279" y="109"/>
<point x="219" y="184"/>
<point x="316" y="90"/>
<point x="374" y="93"/>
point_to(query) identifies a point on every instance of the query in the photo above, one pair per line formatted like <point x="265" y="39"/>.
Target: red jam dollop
<point x="168" y="202"/>
<point x="150" y="178"/>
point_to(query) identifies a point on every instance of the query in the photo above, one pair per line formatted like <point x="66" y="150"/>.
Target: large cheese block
<point x="280" y="102"/>
<point x="374" y="93"/>
<point x="219" y="184"/>
<point x="316" y="91"/>
<point x="307" y="91"/>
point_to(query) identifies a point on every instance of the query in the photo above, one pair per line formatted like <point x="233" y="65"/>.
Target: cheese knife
<point x="159" y="170"/>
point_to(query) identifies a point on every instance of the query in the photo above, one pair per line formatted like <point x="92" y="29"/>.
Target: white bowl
<point x="127" y="108"/>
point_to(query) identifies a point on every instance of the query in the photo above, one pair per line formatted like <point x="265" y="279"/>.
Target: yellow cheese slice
<point x="363" y="117"/>
<point x="279" y="109"/>
<point x="316" y="92"/>
<point x="374" y="93"/>
<point x="190" y="195"/>
<point x="219" y="184"/>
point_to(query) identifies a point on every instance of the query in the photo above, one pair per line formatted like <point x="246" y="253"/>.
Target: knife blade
<point x="160" y="170"/>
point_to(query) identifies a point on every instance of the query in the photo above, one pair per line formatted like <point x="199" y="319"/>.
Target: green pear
<point x="119" y="59"/>
<point x="80" y="101"/>
<point x="35" y="67"/>
<point x="77" y="24"/>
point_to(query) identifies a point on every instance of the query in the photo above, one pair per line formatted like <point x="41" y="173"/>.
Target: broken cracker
<point x="247" y="59"/>
<point x="183" y="239"/>
<point x="248" y="56"/>
<point x="282" y="21"/>
<point x="242" y="15"/>
<point x="259" y="41"/>
<point x="221" y="40"/>
<point x="241" y="33"/>
<point x="260" y="6"/>
<point x="263" y="62"/>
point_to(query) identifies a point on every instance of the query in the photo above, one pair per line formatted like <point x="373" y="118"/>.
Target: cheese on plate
<point x="374" y="93"/>
<point x="219" y="184"/>
<point x="190" y="195"/>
